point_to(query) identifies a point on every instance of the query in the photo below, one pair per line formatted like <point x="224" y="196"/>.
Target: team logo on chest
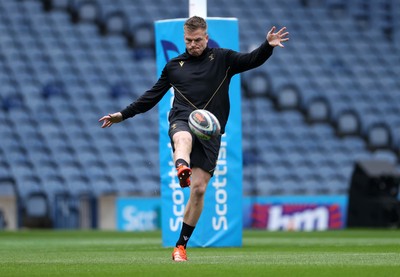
<point x="211" y="57"/>
<point x="181" y="63"/>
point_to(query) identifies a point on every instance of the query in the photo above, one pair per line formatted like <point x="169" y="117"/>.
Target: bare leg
<point x="193" y="210"/>
<point x="194" y="206"/>
<point x="183" y="145"/>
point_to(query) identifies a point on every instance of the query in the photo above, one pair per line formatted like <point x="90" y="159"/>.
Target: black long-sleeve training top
<point x="199" y="82"/>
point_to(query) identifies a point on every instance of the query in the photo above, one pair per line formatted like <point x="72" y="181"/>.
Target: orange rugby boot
<point x="183" y="174"/>
<point x="179" y="254"/>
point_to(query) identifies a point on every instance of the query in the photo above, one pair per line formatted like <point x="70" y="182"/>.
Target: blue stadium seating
<point x="58" y="77"/>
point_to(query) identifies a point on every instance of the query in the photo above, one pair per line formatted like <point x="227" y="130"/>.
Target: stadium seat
<point x="141" y="36"/>
<point x="36" y="211"/>
<point x="348" y="123"/>
<point x="58" y="78"/>
<point x="257" y="84"/>
<point x="113" y="23"/>
<point x="287" y="97"/>
<point x="78" y="184"/>
<point x="317" y="110"/>
<point x="128" y="185"/>
<point x="84" y="11"/>
<point x="378" y="136"/>
<point x="7" y="186"/>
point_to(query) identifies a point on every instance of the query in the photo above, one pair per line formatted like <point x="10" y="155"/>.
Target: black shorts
<point x="204" y="152"/>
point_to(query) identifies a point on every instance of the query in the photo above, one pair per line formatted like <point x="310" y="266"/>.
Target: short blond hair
<point x="194" y="23"/>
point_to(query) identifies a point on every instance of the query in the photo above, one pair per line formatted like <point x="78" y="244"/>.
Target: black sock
<point x="184" y="237"/>
<point x="181" y="161"/>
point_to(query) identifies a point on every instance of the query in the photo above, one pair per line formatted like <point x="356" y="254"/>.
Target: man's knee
<point x="182" y="138"/>
<point x="200" y="179"/>
<point x="198" y="189"/>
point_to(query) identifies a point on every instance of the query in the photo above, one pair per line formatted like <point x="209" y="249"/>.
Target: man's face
<point x="195" y="41"/>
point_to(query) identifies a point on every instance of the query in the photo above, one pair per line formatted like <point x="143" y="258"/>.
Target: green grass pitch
<point x="99" y="253"/>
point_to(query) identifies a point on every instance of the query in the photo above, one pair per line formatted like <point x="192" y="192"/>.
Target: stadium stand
<point x="330" y="98"/>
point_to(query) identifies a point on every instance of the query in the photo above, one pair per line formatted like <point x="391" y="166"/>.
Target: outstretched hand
<point x="276" y="39"/>
<point x="110" y="119"/>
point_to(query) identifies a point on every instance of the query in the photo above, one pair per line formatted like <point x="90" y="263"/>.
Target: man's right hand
<point x="110" y="119"/>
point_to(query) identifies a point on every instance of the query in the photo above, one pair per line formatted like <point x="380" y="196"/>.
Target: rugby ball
<point x="204" y="124"/>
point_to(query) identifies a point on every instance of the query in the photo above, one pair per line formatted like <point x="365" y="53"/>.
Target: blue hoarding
<point x="137" y="214"/>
